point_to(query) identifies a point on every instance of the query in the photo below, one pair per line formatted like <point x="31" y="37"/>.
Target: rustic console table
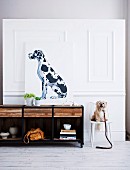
<point x="49" y="118"/>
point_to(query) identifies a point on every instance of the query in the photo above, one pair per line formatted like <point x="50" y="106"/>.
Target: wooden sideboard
<point x="49" y="118"/>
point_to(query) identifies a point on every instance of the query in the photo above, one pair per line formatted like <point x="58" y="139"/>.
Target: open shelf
<point x="76" y="124"/>
<point x="45" y="124"/>
<point x="49" y="119"/>
<point x="7" y="122"/>
<point x="12" y="139"/>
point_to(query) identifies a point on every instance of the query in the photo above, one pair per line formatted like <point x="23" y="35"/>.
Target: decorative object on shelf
<point x="29" y="97"/>
<point x="13" y="131"/>
<point x="67" y="126"/>
<point x="4" y="135"/>
<point x="33" y="134"/>
<point x="37" y="101"/>
<point x="68" y="134"/>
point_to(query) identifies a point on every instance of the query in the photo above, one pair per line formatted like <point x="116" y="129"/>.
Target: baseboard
<point x="100" y="136"/>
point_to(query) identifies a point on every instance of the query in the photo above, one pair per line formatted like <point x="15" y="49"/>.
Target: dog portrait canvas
<point x="49" y="71"/>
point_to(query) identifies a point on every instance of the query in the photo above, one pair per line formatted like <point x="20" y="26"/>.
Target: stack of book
<point x="68" y="134"/>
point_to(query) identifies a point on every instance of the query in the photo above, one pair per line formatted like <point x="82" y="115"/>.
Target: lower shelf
<point x="10" y="139"/>
<point x="19" y="141"/>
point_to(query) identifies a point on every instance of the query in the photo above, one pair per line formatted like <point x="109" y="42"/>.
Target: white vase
<point x="13" y="131"/>
<point x="29" y="101"/>
<point x="37" y="102"/>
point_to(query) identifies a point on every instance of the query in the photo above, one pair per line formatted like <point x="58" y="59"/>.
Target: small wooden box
<point x="67" y="112"/>
<point x="38" y="112"/>
<point x="10" y="112"/>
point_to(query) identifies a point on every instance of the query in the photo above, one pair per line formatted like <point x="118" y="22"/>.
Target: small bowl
<point x="4" y="135"/>
<point x="67" y="126"/>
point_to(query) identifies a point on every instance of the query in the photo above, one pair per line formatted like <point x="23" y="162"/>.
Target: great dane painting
<point x="48" y="76"/>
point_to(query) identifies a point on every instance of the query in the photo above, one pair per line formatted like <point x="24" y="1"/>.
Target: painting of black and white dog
<point x="48" y="76"/>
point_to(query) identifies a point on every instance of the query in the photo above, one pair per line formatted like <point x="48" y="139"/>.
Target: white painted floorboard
<point x="65" y="157"/>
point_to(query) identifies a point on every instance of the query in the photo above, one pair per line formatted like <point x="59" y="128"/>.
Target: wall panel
<point x="98" y="66"/>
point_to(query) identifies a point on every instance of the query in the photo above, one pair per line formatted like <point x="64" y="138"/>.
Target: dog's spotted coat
<point x="48" y="76"/>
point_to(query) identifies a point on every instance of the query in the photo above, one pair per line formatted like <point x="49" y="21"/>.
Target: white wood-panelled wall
<point x="98" y="68"/>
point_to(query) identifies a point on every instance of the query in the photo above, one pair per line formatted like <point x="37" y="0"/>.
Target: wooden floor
<point x="65" y="157"/>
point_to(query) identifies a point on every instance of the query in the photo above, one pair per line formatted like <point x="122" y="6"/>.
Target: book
<point x="63" y="130"/>
<point x="68" y="131"/>
<point x="68" y="137"/>
<point x="68" y="134"/>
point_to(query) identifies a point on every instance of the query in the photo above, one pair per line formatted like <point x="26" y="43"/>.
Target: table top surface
<point x="41" y="106"/>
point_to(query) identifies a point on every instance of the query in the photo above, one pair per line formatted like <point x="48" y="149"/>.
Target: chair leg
<point x="109" y="130"/>
<point x="92" y="133"/>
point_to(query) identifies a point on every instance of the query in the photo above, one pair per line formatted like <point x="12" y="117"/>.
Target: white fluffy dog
<point x="98" y="115"/>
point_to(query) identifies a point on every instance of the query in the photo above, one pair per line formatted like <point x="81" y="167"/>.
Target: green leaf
<point x="28" y="95"/>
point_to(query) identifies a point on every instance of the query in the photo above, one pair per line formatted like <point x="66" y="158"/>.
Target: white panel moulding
<point x="98" y="67"/>
<point x="101" y="58"/>
<point x="75" y="93"/>
<point x="98" y="60"/>
<point x="99" y="93"/>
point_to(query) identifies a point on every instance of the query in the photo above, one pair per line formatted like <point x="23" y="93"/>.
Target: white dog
<point x="98" y="115"/>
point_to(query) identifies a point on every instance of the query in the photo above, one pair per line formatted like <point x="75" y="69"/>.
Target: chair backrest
<point x="91" y="108"/>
